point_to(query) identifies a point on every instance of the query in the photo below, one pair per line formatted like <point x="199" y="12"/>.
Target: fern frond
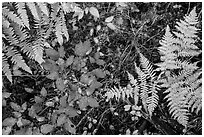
<point x="143" y="86"/>
<point x="61" y="29"/>
<point x="10" y="35"/>
<point x="10" y="15"/>
<point x="120" y="93"/>
<point x="17" y="59"/>
<point x="146" y="66"/>
<point x="184" y="87"/>
<point x="148" y="88"/>
<point x="38" y="50"/>
<point x="21" y="9"/>
<point x="43" y="7"/>
<point x="33" y="10"/>
<point x="6" y="68"/>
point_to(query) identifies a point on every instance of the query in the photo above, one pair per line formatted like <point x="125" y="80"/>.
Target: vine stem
<point x="84" y="117"/>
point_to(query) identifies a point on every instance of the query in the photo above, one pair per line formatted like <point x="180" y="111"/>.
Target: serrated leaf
<point x="15" y="106"/>
<point x="60" y="84"/>
<point x="43" y="92"/>
<point x="9" y="121"/>
<point x="46" y="128"/>
<point x="109" y="19"/>
<point x="61" y="119"/>
<point x="111" y="26"/>
<point x="94" y="12"/>
<point x="70" y="127"/>
<point x="69" y="61"/>
<point x="92" y="102"/>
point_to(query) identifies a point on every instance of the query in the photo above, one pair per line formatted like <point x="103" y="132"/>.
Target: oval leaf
<point x="70" y="127"/>
<point x="109" y="19"/>
<point x="69" y="61"/>
<point x="61" y="119"/>
<point x="53" y="76"/>
<point x="15" y="106"/>
<point x="111" y="26"/>
<point x="9" y="121"/>
<point x="99" y="73"/>
<point x="53" y="54"/>
<point x="94" y="12"/>
<point x="63" y="101"/>
<point x="83" y="103"/>
<point x="43" y="92"/>
<point x="46" y="128"/>
<point x="60" y="84"/>
<point x="71" y="112"/>
<point x="93" y="102"/>
<point x="100" y="62"/>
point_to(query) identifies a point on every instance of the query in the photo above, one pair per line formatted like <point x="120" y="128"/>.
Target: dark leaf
<point x="43" y="92"/>
<point x="53" y="76"/>
<point x="99" y="73"/>
<point x="9" y="121"/>
<point x="60" y="84"/>
<point x="83" y="103"/>
<point x="63" y="101"/>
<point x="53" y="54"/>
<point x="71" y="112"/>
<point x="61" y="119"/>
<point x="69" y="126"/>
<point x="46" y="128"/>
<point x="92" y="102"/>
<point x="61" y="51"/>
<point x="69" y="61"/>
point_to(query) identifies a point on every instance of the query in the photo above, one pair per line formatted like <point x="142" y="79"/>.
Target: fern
<point x="43" y="7"/>
<point x="182" y="76"/>
<point x="23" y="13"/>
<point x="61" y="29"/>
<point x="33" y="10"/>
<point x="10" y="15"/>
<point x="19" y="23"/>
<point x="120" y="93"/>
<point x="145" y="87"/>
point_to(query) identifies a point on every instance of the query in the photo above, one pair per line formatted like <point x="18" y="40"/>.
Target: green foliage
<point x="182" y="76"/>
<point x="68" y="58"/>
<point x="144" y="87"/>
